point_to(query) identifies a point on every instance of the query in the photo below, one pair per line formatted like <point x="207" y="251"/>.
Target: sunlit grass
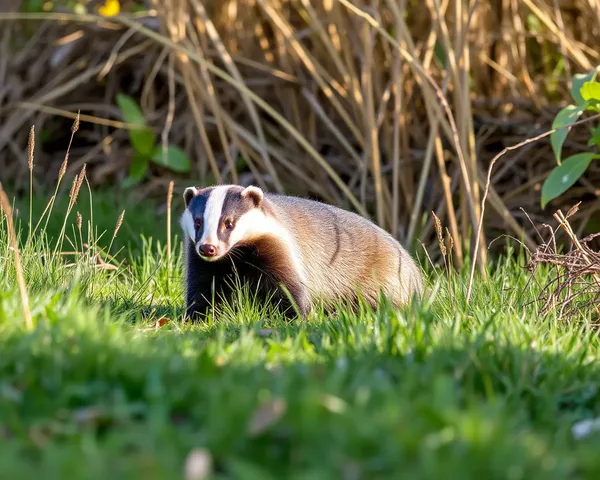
<point x="438" y="389"/>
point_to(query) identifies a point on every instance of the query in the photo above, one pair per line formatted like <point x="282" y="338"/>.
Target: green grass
<point x="438" y="390"/>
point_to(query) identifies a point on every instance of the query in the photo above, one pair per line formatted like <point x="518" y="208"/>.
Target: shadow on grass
<point x="378" y="398"/>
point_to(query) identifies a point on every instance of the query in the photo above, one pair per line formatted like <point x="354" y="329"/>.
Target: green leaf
<point x="565" y="175"/>
<point x="578" y="81"/>
<point x="142" y="138"/>
<point x="139" y="166"/>
<point x="174" y="159"/>
<point x="590" y="91"/>
<point x="567" y="116"/>
<point x="33" y="6"/>
<point x="129" y="182"/>
<point x="533" y="24"/>
<point x="137" y="171"/>
<point x="594" y="137"/>
<point x="241" y="162"/>
<point x="250" y="471"/>
<point x="440" y="53"/>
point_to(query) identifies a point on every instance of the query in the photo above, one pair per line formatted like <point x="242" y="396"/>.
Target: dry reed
<point x="334" y="100"/>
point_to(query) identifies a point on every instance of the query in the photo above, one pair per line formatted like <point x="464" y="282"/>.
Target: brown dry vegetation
<point x="338" y="100"/>
<point x="575" y="281"/>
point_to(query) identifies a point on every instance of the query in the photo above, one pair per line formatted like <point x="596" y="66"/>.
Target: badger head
<point x="216" y="219"/>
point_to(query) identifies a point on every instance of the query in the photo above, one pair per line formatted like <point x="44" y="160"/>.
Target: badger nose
<point x="207" y="250"/>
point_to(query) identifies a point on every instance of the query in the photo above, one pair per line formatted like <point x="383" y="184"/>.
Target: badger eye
<point x="198" y="224"/>
<point x="228" y="224"/>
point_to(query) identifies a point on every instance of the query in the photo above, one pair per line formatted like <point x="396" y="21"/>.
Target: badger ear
<point x="253" y="193"/>
<point x="188" y="194"/>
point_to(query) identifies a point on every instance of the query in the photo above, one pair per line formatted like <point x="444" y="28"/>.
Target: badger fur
<point x="317" y="252"/>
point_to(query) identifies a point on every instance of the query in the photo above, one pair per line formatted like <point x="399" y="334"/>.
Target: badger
<point x="289" y="250"/>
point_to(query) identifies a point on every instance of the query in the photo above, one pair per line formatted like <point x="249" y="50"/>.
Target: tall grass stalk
<point x="169" y="200"/>
<point x="61" y="174"/>
<point x="91" y="236"/>
<point x="5" y="205"/>
<point x="79" y="225"/>
<point x="30" y="149"/>
<point x="116" y="231"/>
<point x="73" y="195"/>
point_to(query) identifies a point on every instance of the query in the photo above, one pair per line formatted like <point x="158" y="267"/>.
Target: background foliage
<point x="336" y="100"/>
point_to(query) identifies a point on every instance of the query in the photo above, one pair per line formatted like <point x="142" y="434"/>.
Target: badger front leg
<point x="280" y="260"/>
<point x="199" y="286"/>
<point x="198" y="297"/>
<point x="291" y="285"/>
<point x="299" y="295"/>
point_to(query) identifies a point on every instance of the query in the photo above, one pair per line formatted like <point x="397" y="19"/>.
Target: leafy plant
<point x="586" y="94"/>
<point x="143" y="140"/>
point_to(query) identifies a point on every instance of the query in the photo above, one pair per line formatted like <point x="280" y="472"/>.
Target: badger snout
<point x="207" y="250"/>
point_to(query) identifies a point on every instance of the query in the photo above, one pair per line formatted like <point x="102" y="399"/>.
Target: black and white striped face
<point x="218" y="218"/>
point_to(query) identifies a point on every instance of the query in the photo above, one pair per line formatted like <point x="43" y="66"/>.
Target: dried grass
<point x="334" y="100"/>
<point x="576" y="282"/>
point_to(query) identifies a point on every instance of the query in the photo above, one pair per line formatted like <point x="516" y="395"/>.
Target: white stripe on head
<point x="212" y="215"/>
<point x="187" y="224"/>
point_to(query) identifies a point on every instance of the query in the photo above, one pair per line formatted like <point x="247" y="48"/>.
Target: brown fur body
<point x="342" y="252"/>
